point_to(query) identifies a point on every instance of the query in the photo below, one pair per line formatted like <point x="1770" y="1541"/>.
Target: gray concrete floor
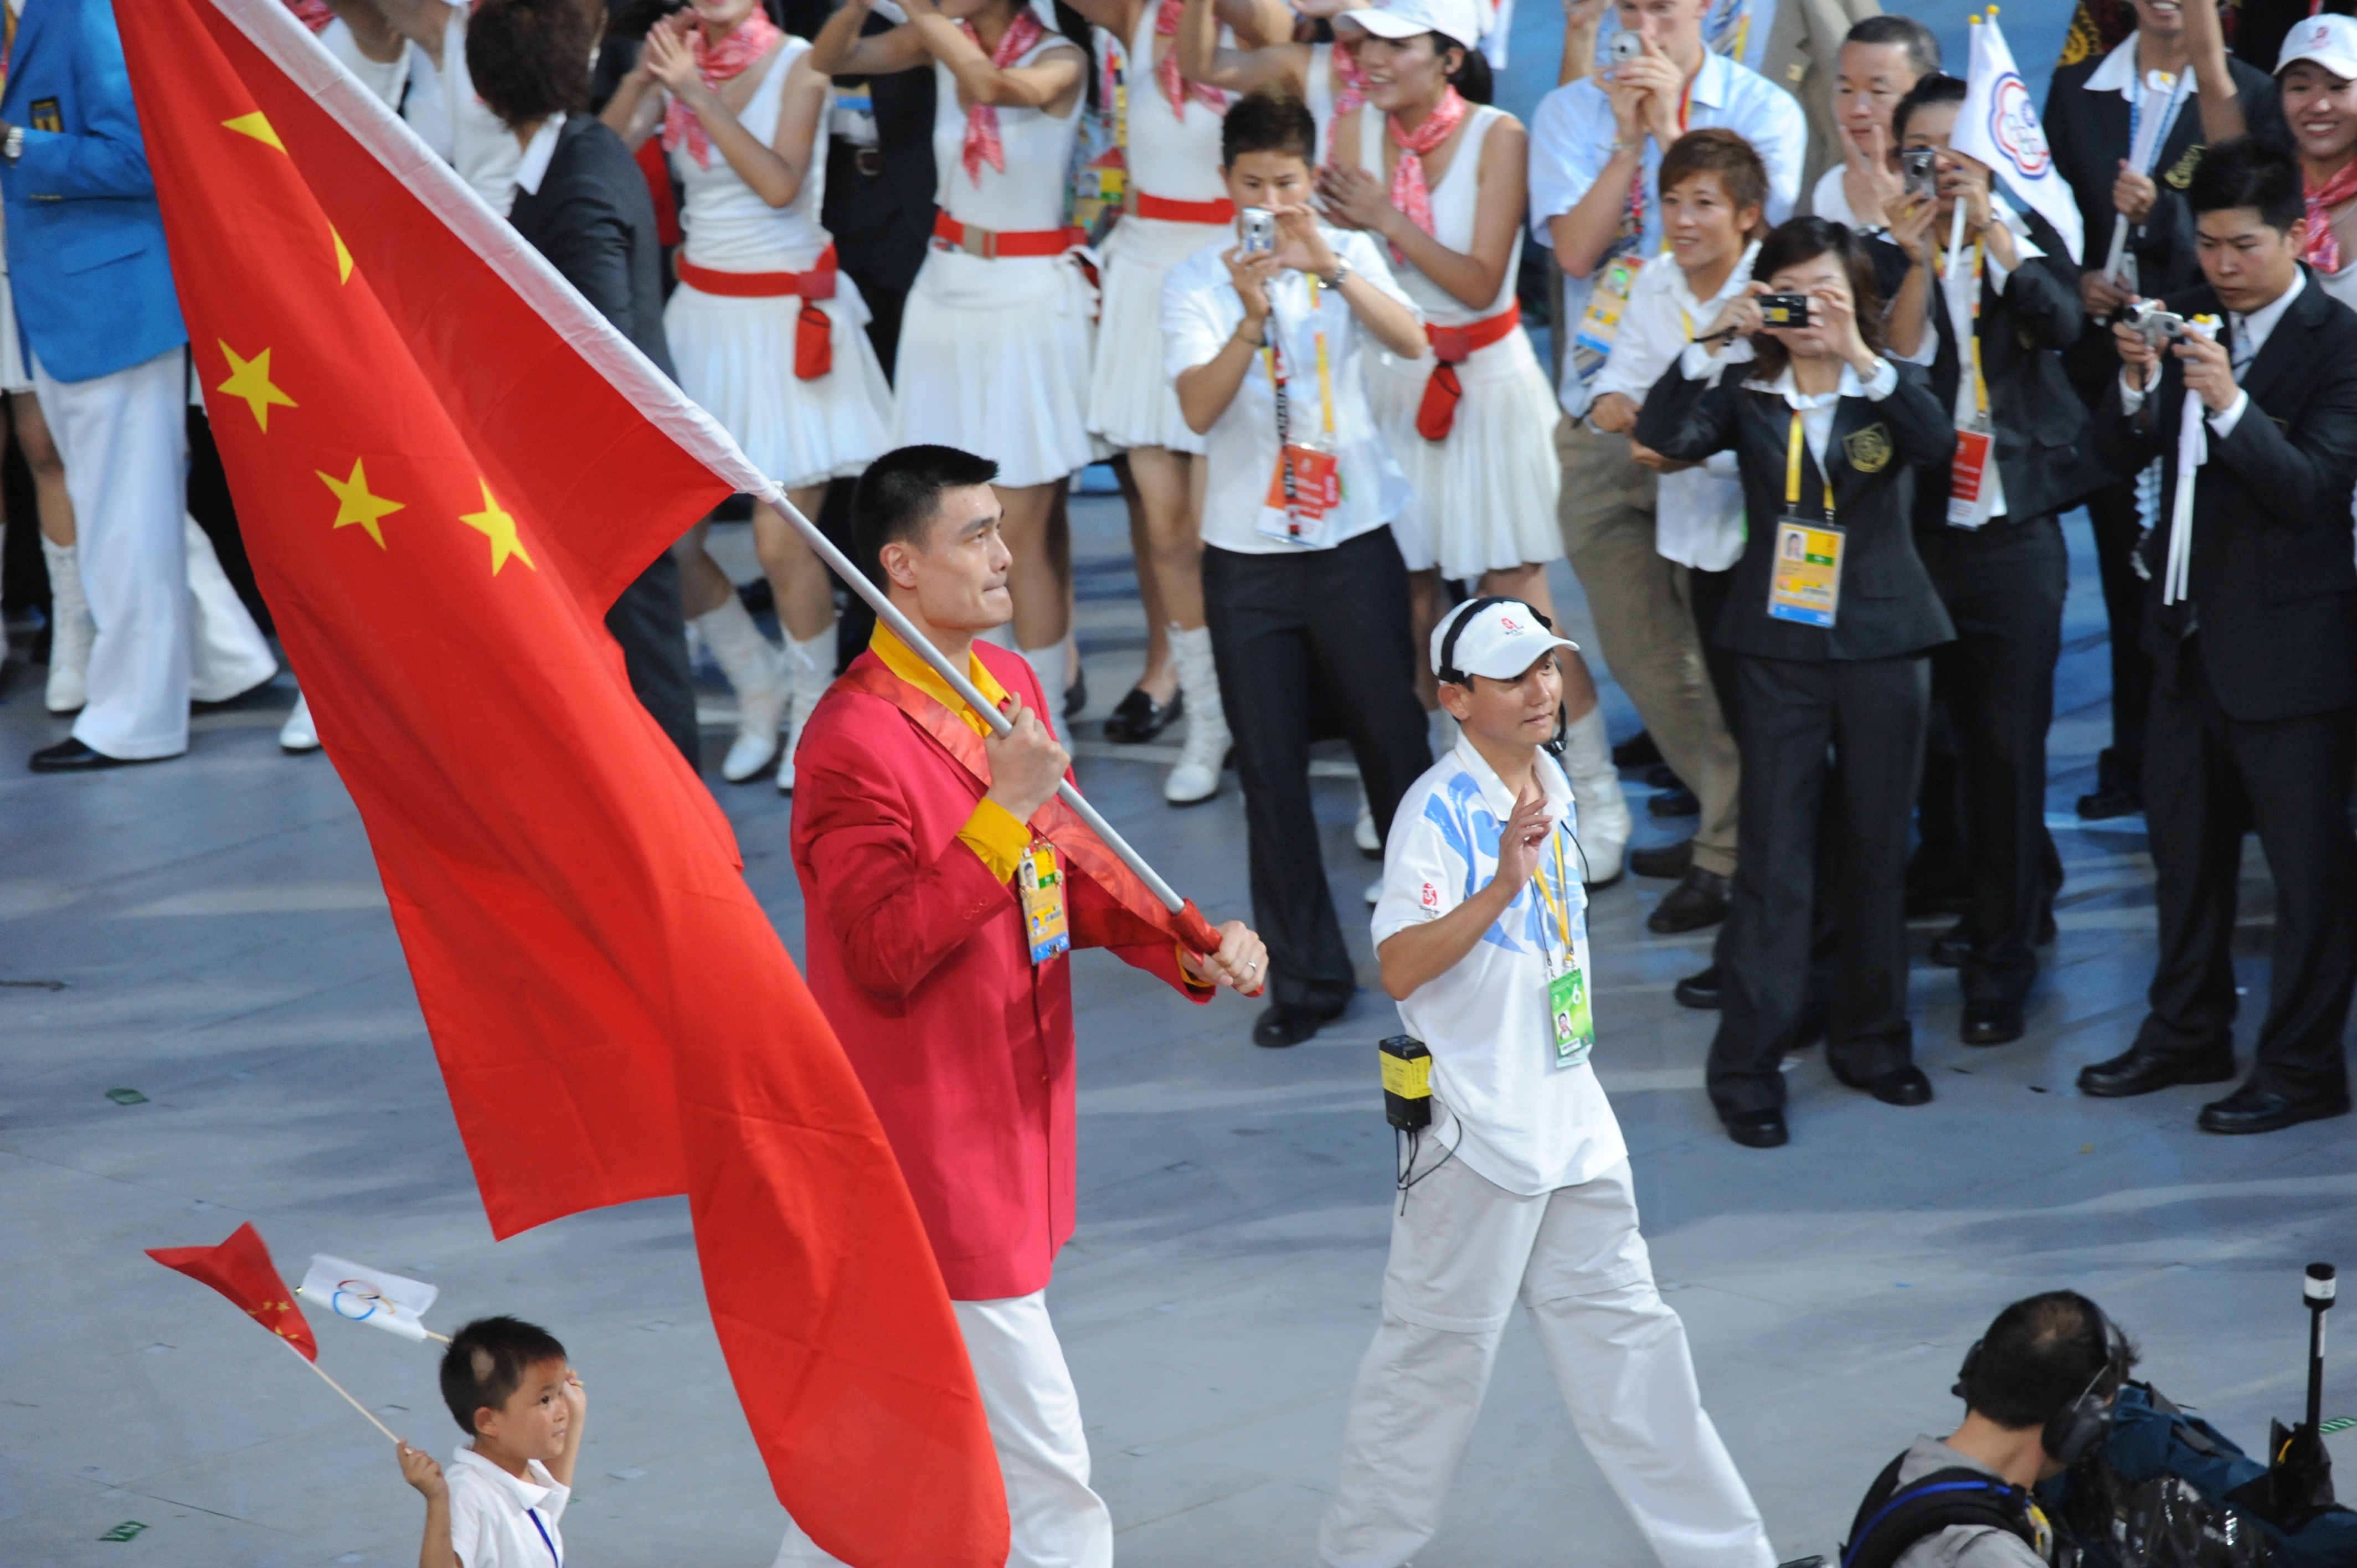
<point x="210" y="932"/>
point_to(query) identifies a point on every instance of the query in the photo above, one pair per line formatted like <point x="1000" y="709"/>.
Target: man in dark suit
<point x="2092" y="109"/>
<point x="2251" y="619"/>
<point x="1992" y="540"/>
<point x="581" y="201"/>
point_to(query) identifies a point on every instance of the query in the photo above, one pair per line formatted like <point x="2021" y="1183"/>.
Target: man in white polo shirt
<point x="1520" y="1186"/>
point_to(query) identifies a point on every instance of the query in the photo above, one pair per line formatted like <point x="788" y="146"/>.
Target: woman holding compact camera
<point x="1829" y="614"/>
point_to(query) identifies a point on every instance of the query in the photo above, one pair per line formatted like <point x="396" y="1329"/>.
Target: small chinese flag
<point x="240" y="1268"/>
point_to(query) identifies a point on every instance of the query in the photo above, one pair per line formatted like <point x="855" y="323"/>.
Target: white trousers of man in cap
<point x="1520" y="1190"/>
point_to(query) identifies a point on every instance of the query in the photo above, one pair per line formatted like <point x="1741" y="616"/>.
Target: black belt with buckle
<point x="868" y="161"/>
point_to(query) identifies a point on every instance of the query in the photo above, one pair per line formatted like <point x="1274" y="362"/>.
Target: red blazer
<point x="918" y="957"/>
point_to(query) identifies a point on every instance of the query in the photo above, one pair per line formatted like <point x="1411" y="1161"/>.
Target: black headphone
<point x="2072" y="1433"/>
<point x="1448" y="675"/>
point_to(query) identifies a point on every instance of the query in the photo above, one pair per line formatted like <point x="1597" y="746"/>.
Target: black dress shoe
<point x="1677" y="802"/>
<point x="1637" y="751"/>
<point x="1900" y="1086"/>
<point x="1758" y="1129"/>
<point x="1285" y="1024"/>
<point x="1699" y="991"/>
<point x="1138" y="718"/>
<point x="2140" y="1070"/>
<point x="2251" y="1109"/>
<point x="1990" y="1024"/>
<point x="71" y="755"/>
<point x="2102" y="805"/>
<point x="1669" y="860"/>
<point x="1952" y="947"/>
<point x="1698" y="900"/>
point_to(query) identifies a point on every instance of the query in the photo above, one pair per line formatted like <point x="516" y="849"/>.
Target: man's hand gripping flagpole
<point x="1193" y="930"/>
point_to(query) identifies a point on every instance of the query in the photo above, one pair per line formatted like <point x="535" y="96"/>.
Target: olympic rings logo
<point x="360" y="1295"/>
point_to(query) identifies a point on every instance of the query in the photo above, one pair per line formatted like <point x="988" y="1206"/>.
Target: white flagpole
<point x="887" y="611"/>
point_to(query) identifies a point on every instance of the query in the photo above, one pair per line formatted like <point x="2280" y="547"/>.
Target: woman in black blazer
<point x="1829" y="614"/>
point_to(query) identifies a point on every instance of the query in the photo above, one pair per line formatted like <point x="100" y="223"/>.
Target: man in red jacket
<point x="942" y="885"/>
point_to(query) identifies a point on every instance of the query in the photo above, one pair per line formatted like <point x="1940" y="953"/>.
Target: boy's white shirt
<point x="1509" y="1113"/>
<point x="1698" y="512"/>
<point x="1200" y="312"/>
<point x="490" y="1514"/>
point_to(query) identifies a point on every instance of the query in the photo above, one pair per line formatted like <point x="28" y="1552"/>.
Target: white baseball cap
<point x="2330" y="40"/>
<point x="1460" y="20"/>
<point x="1492" y="637"/>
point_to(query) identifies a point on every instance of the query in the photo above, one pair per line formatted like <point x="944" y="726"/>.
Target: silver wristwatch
<point x="1340" y="274"/>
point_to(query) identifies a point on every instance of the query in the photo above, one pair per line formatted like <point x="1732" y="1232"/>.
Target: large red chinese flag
<point x="447" y="467"/>
<point x="240" y="1268"/>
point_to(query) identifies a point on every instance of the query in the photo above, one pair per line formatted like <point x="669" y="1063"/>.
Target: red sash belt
<point x="992" y="243"/>
<point x="1452" y="345"/>
<point x="813" y="331"/>
<point x="1168" y="211"/>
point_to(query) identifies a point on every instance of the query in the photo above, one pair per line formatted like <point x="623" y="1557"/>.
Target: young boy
<point x="510" y="1387"/>
<point x="1521" y="1188"/>
<point x="1304" y="590"/>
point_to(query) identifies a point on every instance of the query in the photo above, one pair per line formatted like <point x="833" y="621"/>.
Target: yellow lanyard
<point x="1268" y="358"/>
<point x="1559" y="908"/>
<point x="1980" y="383"/>
<point x="1792" y="449"/>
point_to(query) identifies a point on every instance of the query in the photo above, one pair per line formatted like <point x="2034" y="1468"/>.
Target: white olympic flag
<point x="361" y="1295"/>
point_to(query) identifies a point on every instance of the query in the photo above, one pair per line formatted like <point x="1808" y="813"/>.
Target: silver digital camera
<point x="1626" y="47"/>
<point x="1257" y="225"/>
<point x="2158" y="325"/>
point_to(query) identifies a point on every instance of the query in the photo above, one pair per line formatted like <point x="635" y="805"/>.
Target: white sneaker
<point x="1195" y="779"/>
<point x="298" y="734"/>
<point x="1363" y="833"/>
<point x="1604" y="822"/>
<point x="71" y="632"/>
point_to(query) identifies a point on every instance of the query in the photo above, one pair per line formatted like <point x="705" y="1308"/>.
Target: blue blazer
<point x="86" y="258"/>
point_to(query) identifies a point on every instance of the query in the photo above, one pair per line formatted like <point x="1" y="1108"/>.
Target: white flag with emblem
<point x="1998" y="127"/>
<point x="363" y="1295"/>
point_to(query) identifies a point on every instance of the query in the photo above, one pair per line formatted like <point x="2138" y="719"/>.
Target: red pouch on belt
<point x="1435" y="416"/>
<point x="814" y="343"/>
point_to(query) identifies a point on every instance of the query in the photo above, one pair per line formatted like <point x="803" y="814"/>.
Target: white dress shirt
<point x="1200" y="312"/>
<point x="499" y="1521"/>
<point x="1697" y="512"/>
<point x="1957" y="292"/>
<point x="1571" y="141"/>
<point x="2247" y="335"/>
<point x="537" y="154"/>
<point x="1509" y="1113"/>
<point x="1816" y="409"/>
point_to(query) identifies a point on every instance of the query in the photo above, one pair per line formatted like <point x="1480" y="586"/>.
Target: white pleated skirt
<point x="1485" y="497"/>
<point x="1130" y="400"/>
<point x="995" y="362"/>
<point x="736" y="358"/>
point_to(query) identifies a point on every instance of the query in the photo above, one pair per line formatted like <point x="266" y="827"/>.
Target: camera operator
<point x="2038" y="1391"/>
<point x="2252" y="626"/>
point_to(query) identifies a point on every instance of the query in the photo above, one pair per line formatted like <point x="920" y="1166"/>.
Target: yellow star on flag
<point x="496" y="525"/>
<point x="343" y="256"/>
<point x="355" y="504"/>
<point x="258" y="126"/>
<point x="250" y="379"/>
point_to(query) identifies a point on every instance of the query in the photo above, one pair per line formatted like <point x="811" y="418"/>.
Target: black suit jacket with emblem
<point x="2274" y="589"/>
<point x="1888" y="606"/>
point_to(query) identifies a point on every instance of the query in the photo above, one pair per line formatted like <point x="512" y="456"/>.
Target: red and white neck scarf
<point x="2323" y="251"/>
<point x="1410" y="194"/>
<point x="1175" y="86"/>
<point x="716" y="63"/>
<point x="1354" y="82"/>
<point x="982" y="143"/>
<point x="313" y="14"/>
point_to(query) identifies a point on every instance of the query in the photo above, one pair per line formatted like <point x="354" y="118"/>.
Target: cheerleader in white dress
<point x="1471" y="422"/>
<point x="766" y="333"/>
<point x="994" y="344"/>
<point x="1324" y="76"/>
<point x="1176" y="203"/>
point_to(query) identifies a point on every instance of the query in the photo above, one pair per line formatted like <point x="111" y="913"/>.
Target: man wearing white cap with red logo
<point x="1520" y="1188"/>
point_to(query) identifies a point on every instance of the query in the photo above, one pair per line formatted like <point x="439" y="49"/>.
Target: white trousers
<point x="123" y="439"/>
<point x="1461" y="1254"/>
<point x="1035" y="1425"/>
<point x="227" y="652"/>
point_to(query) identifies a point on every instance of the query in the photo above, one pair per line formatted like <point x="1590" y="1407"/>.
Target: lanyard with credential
<point x="1571" y="1020"/>
<point x="1559" y="901"/>
<point x="533" y="1515"/>
<point x="1805" y="571"/>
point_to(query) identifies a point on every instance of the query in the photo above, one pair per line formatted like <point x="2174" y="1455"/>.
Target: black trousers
<point x="1316" y="636"/>
<point x="1830" y="749"/>
<point x="2004" y="586"/>
<point x="2208" y="780"/>
<point x="2111" y="511"/>
<point x="650" y="624"/>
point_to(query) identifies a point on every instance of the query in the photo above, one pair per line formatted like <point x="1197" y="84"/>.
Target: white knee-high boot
<point x="71" y="631"/>
<point x="1048" y="663"/>
<point x="299" y="735"/>
<point x="1195" y="776"/>
<point x="809" y="668"/>
<point x="752" y="666"/>
<point x="1604" y="822"/>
